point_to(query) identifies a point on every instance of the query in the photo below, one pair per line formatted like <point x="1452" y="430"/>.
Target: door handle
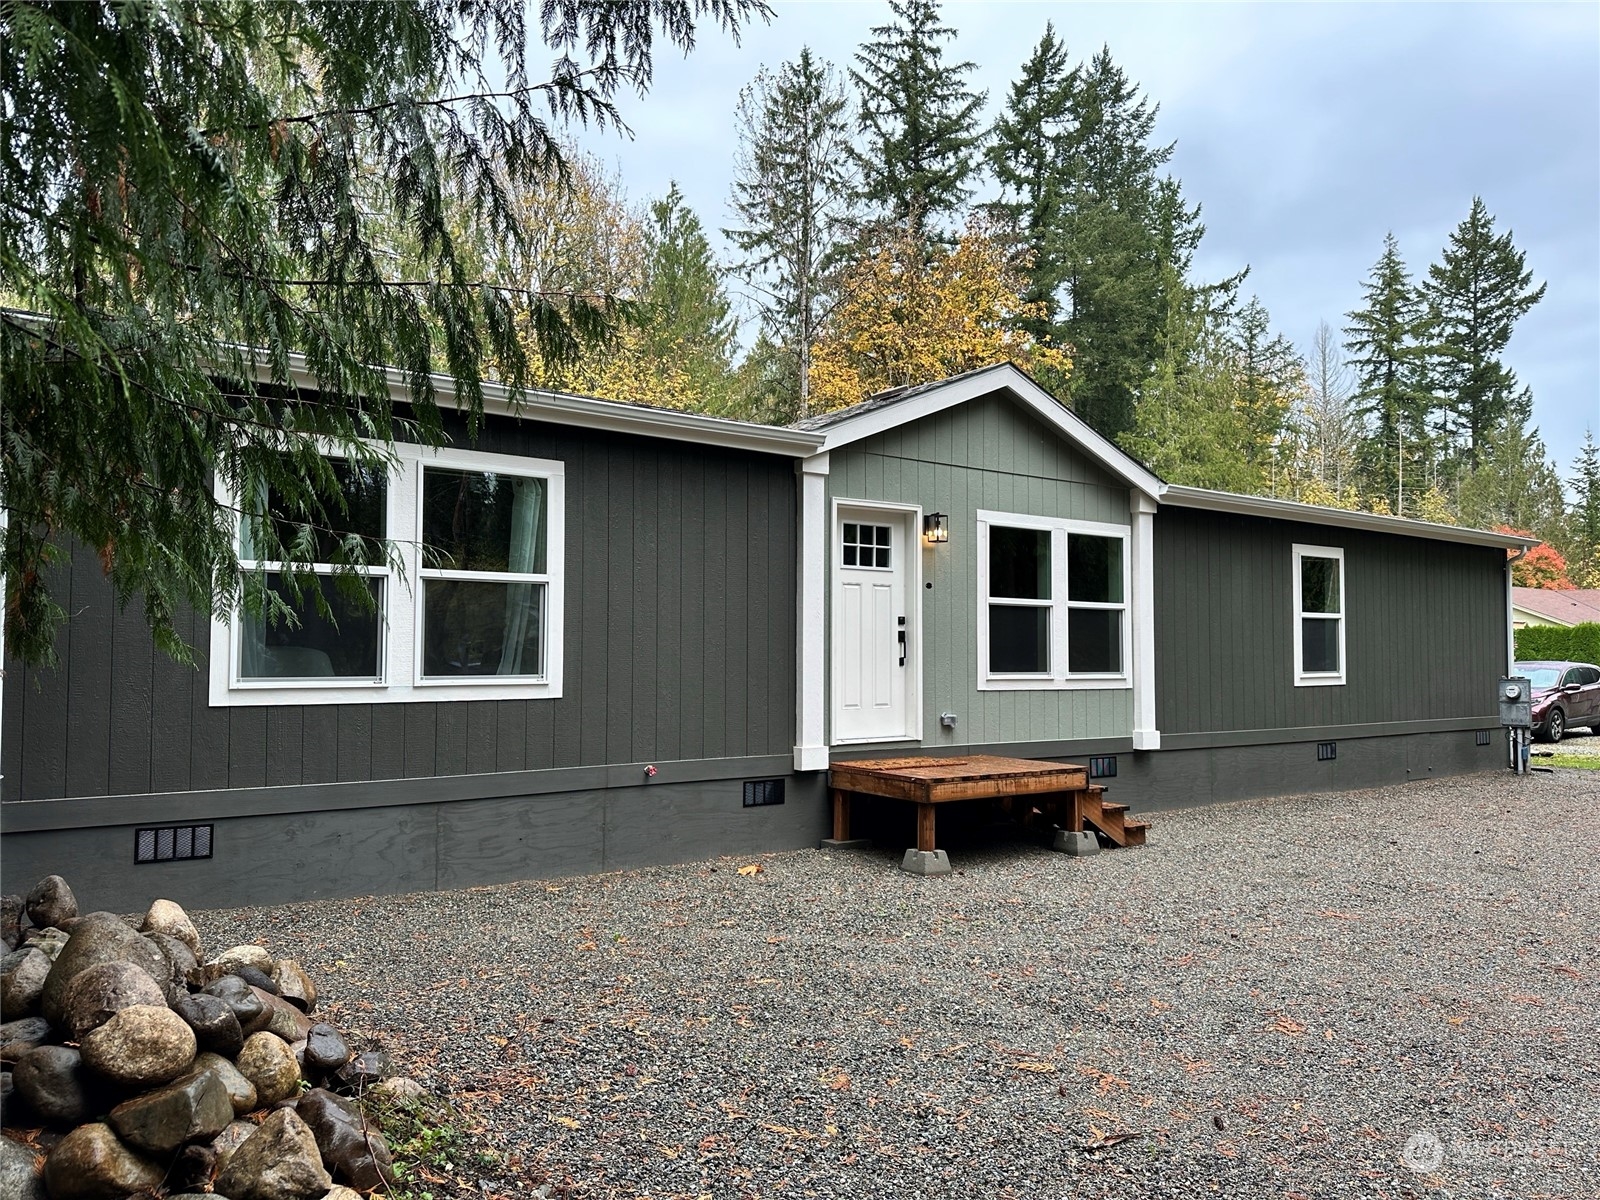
<point x="902" y="636"/>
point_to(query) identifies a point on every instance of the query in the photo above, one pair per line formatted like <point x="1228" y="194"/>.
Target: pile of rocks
<point x="145" y="1067"/>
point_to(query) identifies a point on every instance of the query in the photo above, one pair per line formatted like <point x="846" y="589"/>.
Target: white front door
<point x="874" y="647"/>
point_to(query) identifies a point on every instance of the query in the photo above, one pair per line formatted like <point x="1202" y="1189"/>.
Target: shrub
<point x="1580" y="642"/>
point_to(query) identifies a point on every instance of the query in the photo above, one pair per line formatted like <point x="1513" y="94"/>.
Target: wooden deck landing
<point x="929" y="781"/>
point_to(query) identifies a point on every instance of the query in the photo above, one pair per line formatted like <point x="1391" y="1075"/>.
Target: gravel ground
<point x="1272" y="997"/>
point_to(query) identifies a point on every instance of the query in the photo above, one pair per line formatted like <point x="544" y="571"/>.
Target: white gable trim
<point x="980" y="383"/>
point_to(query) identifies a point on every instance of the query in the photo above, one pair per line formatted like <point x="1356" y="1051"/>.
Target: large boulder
<point x="247" y="1005"/>
<point x="215" y="1026"/>
<point x="49" y="941"/>
<point x="51" y="902"/>
<point x="20" y="1177"/>
<point x="11" y="909"/>
<point x="98" y="993"/>
<point x="241" y="956"/>
<point x="291" y="982"/>
<point x="326" y="1050"/>
<point x="229" y="1140"/>
<point x="279" y="1161"/>
<point x="268" y="1063"/>
<point x="354" y="1152"/>
<point x="19" y="1036"/>
<point x="166" y="917"/>
<point x="98" y="938"/>
<point x="194" y="1108"/>
<point x="22" y="976"/>
<point x="241" y="1092"/>
<point x="57" y="1085"/>
<point x="142" y="1045"/>
<point x="180" y="963"/>
<point x="91" y="1164"/>
<point x="365" y="1070"/>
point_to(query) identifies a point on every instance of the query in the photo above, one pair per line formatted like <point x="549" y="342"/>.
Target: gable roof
<point x="1569" y="606"/>
<point x="901" y="406"/>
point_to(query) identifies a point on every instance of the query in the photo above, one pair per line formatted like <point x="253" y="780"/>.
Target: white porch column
<point x="811" y="746"/>
<point x="1142" y="510"/>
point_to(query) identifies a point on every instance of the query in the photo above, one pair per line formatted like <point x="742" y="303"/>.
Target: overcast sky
<point x="1306" y="131"/>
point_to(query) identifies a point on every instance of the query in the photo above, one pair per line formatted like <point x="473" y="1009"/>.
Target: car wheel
<point x="1555" y="725"/>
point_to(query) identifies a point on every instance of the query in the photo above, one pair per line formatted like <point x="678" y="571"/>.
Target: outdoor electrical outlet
<point x="948" y="720"/>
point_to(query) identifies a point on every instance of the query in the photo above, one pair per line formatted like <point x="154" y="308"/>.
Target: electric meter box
<point x="1516" y="702"/>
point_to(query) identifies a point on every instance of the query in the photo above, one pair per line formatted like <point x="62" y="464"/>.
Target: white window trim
<point x="1302" y="677"/>
<point x="401" y="615"/>
<point x="1057" y="679"/>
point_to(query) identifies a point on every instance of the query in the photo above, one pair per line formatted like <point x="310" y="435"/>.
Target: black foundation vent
<point x="171" y="843"/>
<point x="1327" y="751"/>
<point x="758" y="793"/>
<point x="1102" y="766"/>
<point x="1483" y="737"/>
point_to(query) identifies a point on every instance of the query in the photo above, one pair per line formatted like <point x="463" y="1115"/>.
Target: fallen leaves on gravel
<point x="751" y="869"/>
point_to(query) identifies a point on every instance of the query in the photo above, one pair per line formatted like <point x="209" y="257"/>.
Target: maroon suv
<point x="1566" y="695"/>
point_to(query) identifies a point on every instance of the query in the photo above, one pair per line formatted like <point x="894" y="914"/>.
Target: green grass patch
<point x="1583" y="762"/>
<point x="429" y="1142"/>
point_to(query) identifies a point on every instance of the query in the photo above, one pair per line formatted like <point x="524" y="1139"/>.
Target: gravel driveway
<point x="1273" y="997"/>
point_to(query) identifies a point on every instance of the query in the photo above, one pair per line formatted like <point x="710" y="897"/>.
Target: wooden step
<point x="1111" y="818"/>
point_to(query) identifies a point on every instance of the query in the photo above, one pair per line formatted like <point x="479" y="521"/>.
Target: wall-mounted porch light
<point x="936" y="528"/>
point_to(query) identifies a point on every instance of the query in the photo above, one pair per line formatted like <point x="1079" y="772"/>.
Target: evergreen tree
<point x="918" y="157"/>
<point x="1584" y="522"/>
<point x="190" y="193"/>
<point x="1513" y="483"/>
<point x="686" y="315"/>
<point x="1383" y="341"/>
<point x="1121" y="225"/>
<point x="792" y="191"/>
<point x="1475" y="295"/>
<point x="1025" y="153"/>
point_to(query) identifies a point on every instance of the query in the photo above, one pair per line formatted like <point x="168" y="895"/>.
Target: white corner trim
<point x="939" y="397"/>
<point x="1142" y="618"/>
<point x="811" y="758"/>
<point x="1303" y="678"/>
<point x="811" y="477"/>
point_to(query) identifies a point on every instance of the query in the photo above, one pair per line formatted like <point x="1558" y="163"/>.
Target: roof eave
<point x="1316" y="514"/>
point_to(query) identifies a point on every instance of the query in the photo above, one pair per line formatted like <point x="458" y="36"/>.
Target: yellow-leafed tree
<point x="909" y="312"/>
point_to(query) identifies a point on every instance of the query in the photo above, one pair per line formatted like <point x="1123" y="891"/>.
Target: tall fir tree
<point x="1513" y="483"/>
<point x="1384" y="341"/>
<point x="1583" y="530"/>
<point x="1024" y="155"/>
<point x="793" y="188"/>
<point x="686" y="317"/>
<point x="1122" y="223"/>
<point x="918" y="157"/>
<point x="1475" y="294"/>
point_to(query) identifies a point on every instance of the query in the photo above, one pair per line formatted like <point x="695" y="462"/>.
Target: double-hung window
<point x="314" y="626"/>
<point x="1052" y="603"/>
<point x="461" y="555"/>
<point x="485" y="574"/>
<point x="1318" y="616"/>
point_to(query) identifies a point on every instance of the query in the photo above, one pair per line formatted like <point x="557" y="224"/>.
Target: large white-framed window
<point x="1319" y="616"/>
<point x="1052" y="603"/>
<point x="470" y="609"/>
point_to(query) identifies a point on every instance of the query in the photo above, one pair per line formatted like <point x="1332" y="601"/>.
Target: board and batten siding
<point x="678" y="640"/>
<point x="987" y="454"/>
<point x="1424" y="627"/>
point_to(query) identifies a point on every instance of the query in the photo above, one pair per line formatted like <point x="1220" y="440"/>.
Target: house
<point x="657" y="629"/>
<point x="1548" y="606"/>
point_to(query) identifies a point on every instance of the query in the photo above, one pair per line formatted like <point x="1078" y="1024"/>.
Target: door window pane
<point x="865" y="545"/>
<point x="1094" y="568"/>
<point x="1019" y="564"/>
<point x="1094" y="641"/>
<point x="1019" y="640"/>
<point x="1319" y="585"/>
<point x="482" y="628"/>
<point x="1319" y="644"/>
<point x="483" y="521"/>
<point x="346" y="642"/>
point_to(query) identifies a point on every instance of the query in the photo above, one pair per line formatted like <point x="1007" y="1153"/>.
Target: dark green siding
<point x="679" y="644"/>
<point x="1424" y="628"/>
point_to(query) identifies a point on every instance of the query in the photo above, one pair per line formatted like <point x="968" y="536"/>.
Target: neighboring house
<point x="1550" y="606"/>
<point x="658" y="629"/>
